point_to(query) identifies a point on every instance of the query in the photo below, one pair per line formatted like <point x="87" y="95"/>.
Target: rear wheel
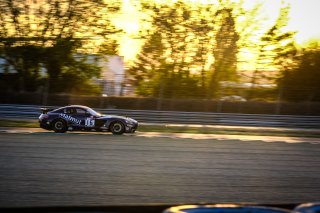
<point x="59" y="126"/>
<point x="117" y="128"/>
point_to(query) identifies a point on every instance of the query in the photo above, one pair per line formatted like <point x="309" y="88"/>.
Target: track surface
<point x="48" y="169"/>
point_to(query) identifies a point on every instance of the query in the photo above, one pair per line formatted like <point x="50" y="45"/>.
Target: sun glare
<point x="303" y="19"/>
<point x="303" y="16"/>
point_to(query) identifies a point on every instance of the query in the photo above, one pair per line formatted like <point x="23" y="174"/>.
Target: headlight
<point x="130" y="121"/>
<point x="43" y="116"/>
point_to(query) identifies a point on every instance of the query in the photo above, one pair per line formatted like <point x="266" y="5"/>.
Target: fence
<point x="188" y="105"/>
<point x="8" y="111"/>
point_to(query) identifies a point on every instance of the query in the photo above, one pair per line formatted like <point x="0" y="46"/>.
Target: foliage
<point x="26" y="61"/>
<point x="179" y="49"/>
<point x="50" y="32"/>
<point x="163" y="66"/>
<point x="225" y="51"/>
<point x="276" y="50"/>
<point x="302" y="82"/>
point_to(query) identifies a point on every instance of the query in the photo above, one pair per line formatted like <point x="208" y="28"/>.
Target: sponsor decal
<point x="71" y="119"/>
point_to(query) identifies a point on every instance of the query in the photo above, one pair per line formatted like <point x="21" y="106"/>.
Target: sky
<point x="304" y="18"/>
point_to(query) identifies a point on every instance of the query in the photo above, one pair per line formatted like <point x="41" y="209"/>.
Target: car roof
<point x="74" y="106"/>
<point x="79" y="106"/>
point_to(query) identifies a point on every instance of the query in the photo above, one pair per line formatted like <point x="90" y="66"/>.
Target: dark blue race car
<point x="82" y="118"/>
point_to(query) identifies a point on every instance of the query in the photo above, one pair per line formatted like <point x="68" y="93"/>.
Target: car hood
<point x="105" y="117"/>
<point x="111" y="116"/>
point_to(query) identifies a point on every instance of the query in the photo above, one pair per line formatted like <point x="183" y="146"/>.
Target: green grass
<point x="16" y="123"/>
<point x="229" y="131"/>
<point x="195" y="129"/>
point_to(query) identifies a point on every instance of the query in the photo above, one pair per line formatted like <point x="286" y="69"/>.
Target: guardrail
<point x="9" y="111"/>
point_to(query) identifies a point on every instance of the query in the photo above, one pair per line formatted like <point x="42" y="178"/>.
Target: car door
<point x="87" y="120"/>
<point x="80" y="115"/>
<point x="70" y="115"/>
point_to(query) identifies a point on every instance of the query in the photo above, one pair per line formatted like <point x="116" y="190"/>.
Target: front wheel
<point x="117" y="128"/>
<point x="59" y="126"/>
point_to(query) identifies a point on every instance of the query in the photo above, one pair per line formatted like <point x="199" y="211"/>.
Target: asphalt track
<point x="39" y="168"/>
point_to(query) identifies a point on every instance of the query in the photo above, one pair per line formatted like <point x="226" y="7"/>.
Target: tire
<point x="117" y="128"/>
<point x="59" y="126"/>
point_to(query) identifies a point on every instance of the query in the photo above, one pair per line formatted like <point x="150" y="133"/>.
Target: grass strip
<point x="195" y="129"/>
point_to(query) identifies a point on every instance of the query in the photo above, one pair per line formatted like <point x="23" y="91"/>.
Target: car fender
<point x="57" y="119"/>
<point x="112" y="120"/>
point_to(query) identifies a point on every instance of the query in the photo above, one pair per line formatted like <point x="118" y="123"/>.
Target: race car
<point x="82" y="118"/>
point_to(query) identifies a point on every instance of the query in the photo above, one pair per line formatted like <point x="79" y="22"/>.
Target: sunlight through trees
<point x="189" y="49"/>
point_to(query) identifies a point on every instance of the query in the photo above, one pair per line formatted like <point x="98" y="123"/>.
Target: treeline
<point x="194" y="50"/>
<point x="187" y="105"/>
<point x="189" y="51"/>
<point x="45" y="44"/>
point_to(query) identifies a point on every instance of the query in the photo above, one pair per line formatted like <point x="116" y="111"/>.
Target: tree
<point x="60" y="29"/>
<point x="203" y="26"/>
<point x="302" y="82"/>
<point x="73" y="72"/>
<point x="147" y="66"/>
<point x="163" y="66"/>
<point x="199" y="46"/>
<point x="225" y="51"/>
<point x="276" y="51"/>
<point x="26" y="61"/>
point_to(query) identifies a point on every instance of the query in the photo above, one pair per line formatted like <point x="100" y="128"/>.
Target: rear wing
<point x="44" y="110"/>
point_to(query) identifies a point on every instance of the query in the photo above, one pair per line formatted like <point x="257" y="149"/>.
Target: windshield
<point x="94" y="113"/>
<point x="203" y="101"/>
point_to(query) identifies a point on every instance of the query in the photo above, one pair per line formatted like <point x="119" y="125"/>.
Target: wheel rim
<point x="58" y="125"/>
<point x="117" y="127"/>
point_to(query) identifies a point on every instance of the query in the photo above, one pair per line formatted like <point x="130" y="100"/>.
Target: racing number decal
<point x="89" y="122"/>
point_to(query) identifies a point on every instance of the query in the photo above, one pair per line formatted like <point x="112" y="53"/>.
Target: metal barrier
<point x="25" y="112"/>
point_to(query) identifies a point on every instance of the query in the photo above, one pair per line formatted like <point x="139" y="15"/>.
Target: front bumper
<point x="45" y="125"/>
<point x="131" y="128"/>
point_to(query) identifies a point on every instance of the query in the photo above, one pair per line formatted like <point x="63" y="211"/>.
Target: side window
<point x="80" y="111"/>
<point x="69" y="111"/>
<point x="59" y="111"/>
